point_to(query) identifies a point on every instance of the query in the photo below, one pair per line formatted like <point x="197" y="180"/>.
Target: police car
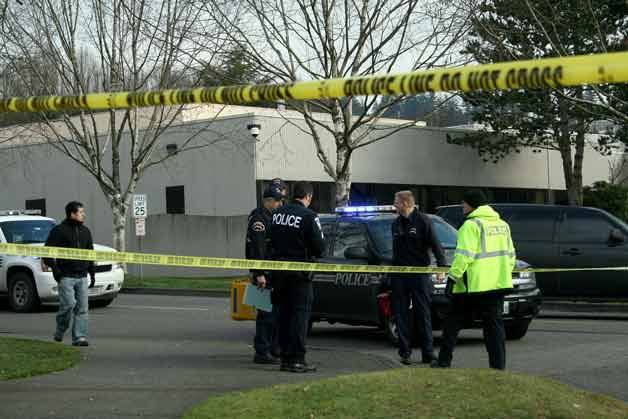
<point x="28" y="283"/>
<point x="362" y="235"/>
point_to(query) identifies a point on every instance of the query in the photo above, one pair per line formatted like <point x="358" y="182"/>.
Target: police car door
<point x="323" y="282"/>
<point x="353" y="294"/>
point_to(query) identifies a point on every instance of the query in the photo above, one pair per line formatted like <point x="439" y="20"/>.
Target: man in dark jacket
<point x="72" y="274"/>
<point x="296" y="236"/>
<point x="413" y="237"/>
<point x="258" y="247"/>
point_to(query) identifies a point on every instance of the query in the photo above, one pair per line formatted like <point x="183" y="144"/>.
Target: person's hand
<point x="92" y="281"/>
<point x="261" y="281"/>
<point x="449" y="288"/>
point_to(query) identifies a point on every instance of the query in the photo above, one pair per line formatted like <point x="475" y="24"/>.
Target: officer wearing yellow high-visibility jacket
<point x="480" y="275"/>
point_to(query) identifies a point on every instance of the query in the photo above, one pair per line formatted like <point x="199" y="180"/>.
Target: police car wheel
<point x="517" y="329"/>
<point x="390" y="327"/>
<point x="23" y="296"/>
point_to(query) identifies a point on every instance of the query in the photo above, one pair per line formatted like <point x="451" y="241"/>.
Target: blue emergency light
<point x="365" y="209"/>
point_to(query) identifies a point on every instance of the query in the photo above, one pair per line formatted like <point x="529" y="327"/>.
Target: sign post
<point x="140" y="212"/>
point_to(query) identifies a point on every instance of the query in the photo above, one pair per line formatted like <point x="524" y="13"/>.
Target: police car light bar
<point x="10" y="212"/>
<point x="32" y="212"/>
<point x="21" y="212"/>
<point x="365" y="209"/>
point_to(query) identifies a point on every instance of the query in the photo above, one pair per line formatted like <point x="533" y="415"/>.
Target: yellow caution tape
<point x="230" y="263"/>
<point x="529" y="74"/>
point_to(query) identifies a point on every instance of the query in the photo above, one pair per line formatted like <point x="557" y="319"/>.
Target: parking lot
<point x="156" y="356"/>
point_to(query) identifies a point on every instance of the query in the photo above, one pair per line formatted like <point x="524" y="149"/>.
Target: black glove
<point x="92" y="281"/>
<point x="449" y="288"/>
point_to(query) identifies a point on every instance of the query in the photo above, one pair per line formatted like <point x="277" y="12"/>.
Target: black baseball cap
<point x="274" y="191"/>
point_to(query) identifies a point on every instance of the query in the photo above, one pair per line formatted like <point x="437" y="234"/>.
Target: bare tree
<point x="73" y="47"/>
<point x="294" y="40"/>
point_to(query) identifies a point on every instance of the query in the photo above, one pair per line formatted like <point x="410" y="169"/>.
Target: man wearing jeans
<point x="72" y="275"/>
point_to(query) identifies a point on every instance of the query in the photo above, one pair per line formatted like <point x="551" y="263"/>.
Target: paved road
<point x="156" y="356"/>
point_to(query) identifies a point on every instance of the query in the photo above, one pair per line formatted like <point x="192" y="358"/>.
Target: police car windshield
<point x="381" y="232"/>
<point x="24" y="232"/>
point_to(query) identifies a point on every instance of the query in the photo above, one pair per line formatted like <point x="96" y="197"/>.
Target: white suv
<point x="27" y="283"/>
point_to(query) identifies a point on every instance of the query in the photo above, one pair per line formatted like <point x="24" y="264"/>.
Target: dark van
<point x="555" y="236"/>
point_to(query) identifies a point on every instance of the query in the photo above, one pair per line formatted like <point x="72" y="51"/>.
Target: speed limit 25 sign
<point x="139" y="206"/>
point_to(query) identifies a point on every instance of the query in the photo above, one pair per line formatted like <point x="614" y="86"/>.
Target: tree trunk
<point x="577" y="163"/>
<point x="343" y="175"/>
<point x="119" y="209"/>
<point x="343" y="190"/>
<point x="573" y="180"/>
<point x="564" y="145"/>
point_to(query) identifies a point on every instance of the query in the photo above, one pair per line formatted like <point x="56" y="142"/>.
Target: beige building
<point x="224" y="179"/>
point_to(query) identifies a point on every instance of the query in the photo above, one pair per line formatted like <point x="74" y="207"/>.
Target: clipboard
<point x="258" y="298"/>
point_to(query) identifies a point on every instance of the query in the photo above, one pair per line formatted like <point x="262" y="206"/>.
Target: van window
<point x="453" y="215"/>
<point x="582" y="226"/>
<point x="531" y="224"/>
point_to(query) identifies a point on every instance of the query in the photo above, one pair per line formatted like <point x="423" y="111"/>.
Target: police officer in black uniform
<point x="258" y="247"/>
<point x="296" y="236"/>
<point x="413" y="237"/>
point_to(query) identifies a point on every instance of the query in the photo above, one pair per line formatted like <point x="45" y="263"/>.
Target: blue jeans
<point x="73" y="302"/>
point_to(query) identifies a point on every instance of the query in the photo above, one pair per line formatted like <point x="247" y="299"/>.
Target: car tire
<point x="101" y="303"/>
<point x="517" y="329"/>
<point x="390" y="328"/>
<point x="23" y="297"/>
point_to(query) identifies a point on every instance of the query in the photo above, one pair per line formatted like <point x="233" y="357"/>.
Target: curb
<point x="582" y="315"/>
<point x="184" y="292"/>
<point x="584" y="306"/>
<point x="550" y="309"/>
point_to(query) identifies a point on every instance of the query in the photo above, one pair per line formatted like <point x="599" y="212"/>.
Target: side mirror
<point x="357" y="253"/>
<point x="616" y="236"/>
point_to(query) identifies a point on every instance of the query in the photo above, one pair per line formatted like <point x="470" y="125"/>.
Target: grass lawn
<point x="211" y="283"/>
<point x="416" y="393"/>
<point x="24" y="358"/>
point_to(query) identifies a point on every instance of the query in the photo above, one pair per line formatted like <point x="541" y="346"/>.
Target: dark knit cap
<point x="475" y="198"/>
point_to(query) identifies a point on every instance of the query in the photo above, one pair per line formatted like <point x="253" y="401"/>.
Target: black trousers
<point x="489" y="308"/>
<point x="294" y="293"/>
<point x="417" y="288"/>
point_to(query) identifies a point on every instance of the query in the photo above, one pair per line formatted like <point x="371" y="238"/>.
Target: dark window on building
<point x="175" y="200"/>
<point x="36" y="204"/>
